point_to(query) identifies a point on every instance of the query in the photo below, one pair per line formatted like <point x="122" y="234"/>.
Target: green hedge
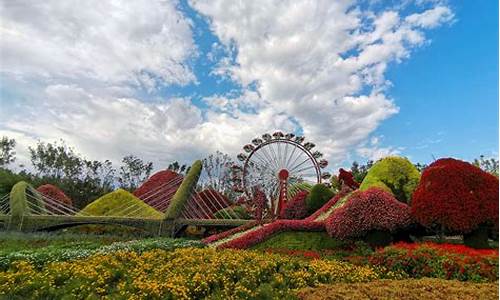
<point x="317" y="197"/>
<point x="184" y="191"/>
<point x="298" y="240"/>
<point x="237" y="212"/>
<point x="396" y="175"/>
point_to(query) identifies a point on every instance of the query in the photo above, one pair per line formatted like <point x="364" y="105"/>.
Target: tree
<point x="7" y="153"/>
<point x="177" y="168"/>
<point x="133" y="172"/>
<point x="218" y="172"/>
<point x="359" y="171"/>
<point x="488" y="165"/>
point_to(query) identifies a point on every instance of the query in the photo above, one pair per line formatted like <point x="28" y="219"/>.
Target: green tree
<point x="7" y="153"/>
<point x="359" y="171"/>
<point x="489" y="165"/>
<point x="133" y="172"/>
<point x="177" y="168"/>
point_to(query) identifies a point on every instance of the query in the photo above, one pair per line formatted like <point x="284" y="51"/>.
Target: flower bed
<point x="438" y="260"/>
<point x="263" y="233"/>
<point x="43" y="256"/>
<point x="180" y="274"/>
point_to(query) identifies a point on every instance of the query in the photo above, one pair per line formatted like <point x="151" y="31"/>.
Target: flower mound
<point x="396" y="175"/>
<point x="295" y="209"/>
<point x="54" y="193"/>
<point x="373" y="209"/>
<point x="159" y="189"/>
<point x="456" y="195"/>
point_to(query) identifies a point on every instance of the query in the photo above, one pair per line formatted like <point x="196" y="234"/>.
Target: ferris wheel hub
<point x="283" y="174"/>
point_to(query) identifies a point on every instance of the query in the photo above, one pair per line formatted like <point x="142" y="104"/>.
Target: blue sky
<point x="361" y="79"/>
<point x="448" y="91"/>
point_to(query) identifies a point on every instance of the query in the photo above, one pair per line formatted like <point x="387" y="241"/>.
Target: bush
<point x="319" y="196"/>
<point x="120" y="203"/>
<point x="438" y="260"/>
<point x="54" y="193"/>
<point x="396" y="175"/>
<point x="7" y="180"/>
<point x="159" y="189"/>
<point x="368" y="211"/>
<point x="456" y="196"/>
<point x="295" y="209"/>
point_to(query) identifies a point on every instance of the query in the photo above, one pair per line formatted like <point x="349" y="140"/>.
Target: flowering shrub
<point x="440" y="261"/>
<point x="54" y="193"/>
<point x="396" y="175"/>
<point x="456" y="195"/>
<point x="159" y="189"/>
<point x="259" y="200"/>
<point x="296" y="207"/>
<point x="317" y="197"/>
<point x="180" y="274"/>
<point x="256" y="236"/>
<point x="373" y="209"/>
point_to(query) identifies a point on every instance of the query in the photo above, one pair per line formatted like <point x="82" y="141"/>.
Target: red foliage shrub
<point x="207" y="202"/>
<point x="456" y="195"/>
<point x="296" y="208"/>
<point x="438" y="260"/>
<point x="373" y="209"/>
<point x="159" y="189"/>
<point x="54" y="193"/>
<point x="346" y="178"/>
<point x="264" y="232"/>
<point x="259" y="200"/>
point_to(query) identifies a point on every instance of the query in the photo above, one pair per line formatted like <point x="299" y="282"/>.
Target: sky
<point x="177" y="80"/>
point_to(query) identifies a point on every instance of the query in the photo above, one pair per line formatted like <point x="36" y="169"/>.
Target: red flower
<point x="296" y="208"/>
<point x="456" y="195"/>
<point x="373" y="209"/>
<point x="53" y="193"/>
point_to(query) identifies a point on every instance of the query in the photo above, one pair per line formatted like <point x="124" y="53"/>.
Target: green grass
<point x="299" y="240"/>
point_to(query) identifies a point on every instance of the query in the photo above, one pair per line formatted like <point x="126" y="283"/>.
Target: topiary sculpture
<point x="184" y="191"/>
<point x="372" y="214"/>
<point x="457" y="197"/>
<point x="319" y="195"/>
<point x="159" y="189"/>
<point x="396" y="175"/>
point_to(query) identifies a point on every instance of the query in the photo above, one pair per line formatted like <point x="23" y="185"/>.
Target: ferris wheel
<point x="275" y="164"/>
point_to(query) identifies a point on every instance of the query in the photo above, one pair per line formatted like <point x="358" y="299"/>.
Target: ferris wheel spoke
<point x="266" y="161"/>
<point x="274" y="155"/>
<point x="297" y="166"/>
<point x="287" y="163"/>
<point x="268" y="155"/>
<point x="299" y="155"/>
<point x="305" y="168"/>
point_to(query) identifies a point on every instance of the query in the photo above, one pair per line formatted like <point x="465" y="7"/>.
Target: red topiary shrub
<point x="296" y="208"/>
<point x="54" y="193"/>
<point x="346" y="178"/>
<point x="368" y="211"/>
<point x="159" y="189"/>
<point x="456" y="196"/>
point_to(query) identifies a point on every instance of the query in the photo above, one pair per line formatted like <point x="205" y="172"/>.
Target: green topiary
<point x="396" y="175"/>
<point x="19" y="203"/>
<point x="184" y="191"/>
<point x="317" y="197"/>
<point x="120" y="203"/>
<point x="236" y="212"/>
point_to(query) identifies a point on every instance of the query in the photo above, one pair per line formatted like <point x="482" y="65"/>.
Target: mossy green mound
<point x="300" y="240"/>
<point x="122" y="204"/>
<point x="396" y="175"/>
<point x="236" y="212"/>
<point x="317" y="197"/>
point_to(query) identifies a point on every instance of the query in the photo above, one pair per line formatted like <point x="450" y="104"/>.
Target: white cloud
<point x="372" y="150"/>
<point x="322" y="63"/>
<point x="138" y="42"/>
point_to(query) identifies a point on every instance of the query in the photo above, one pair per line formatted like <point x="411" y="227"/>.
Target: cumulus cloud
<point x="322" y="63"/>
<point x="143" y="43"/>
<point x="79" y="71"/>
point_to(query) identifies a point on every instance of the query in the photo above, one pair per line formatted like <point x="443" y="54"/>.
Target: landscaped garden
<point x="399" y="232"/>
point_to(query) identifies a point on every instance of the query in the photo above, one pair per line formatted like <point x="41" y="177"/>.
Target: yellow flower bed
<point x="188" y="273"/>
